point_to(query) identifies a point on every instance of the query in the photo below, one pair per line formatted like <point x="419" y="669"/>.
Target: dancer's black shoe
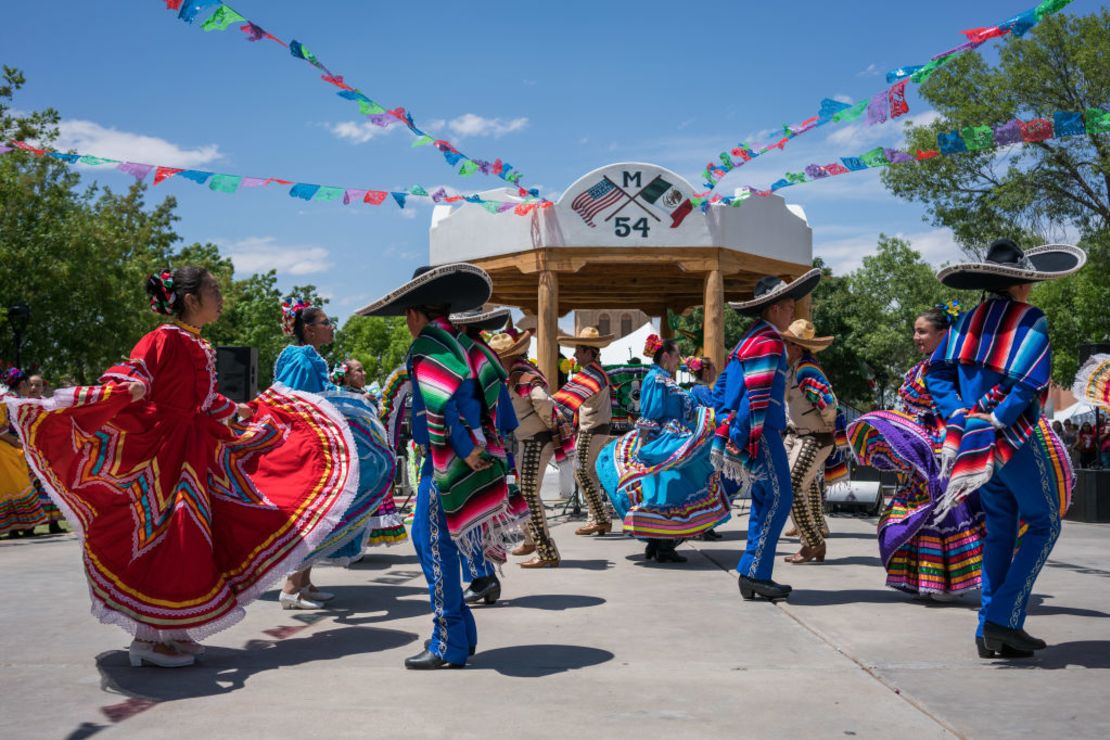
<point x="752" y="587"/>
<point x="995" y="636"/>
<point x="651" y="550"/>
<point x="428" y="644"/>
<point x="428" y="661"/>
<point x="1005" y="652"/>
<point x="710" y="535"/>
<point x="666" y="553"/>
<point x="485" y="588"/>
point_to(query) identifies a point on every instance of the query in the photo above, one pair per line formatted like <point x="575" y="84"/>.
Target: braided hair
<point x="167" y="288"/>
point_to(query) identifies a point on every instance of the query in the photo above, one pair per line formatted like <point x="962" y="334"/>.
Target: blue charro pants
<point x="477" y="567"/>
<point x="1024" y="489"/>
<point x="771" y="501"/>
<point x="453" y="629"/>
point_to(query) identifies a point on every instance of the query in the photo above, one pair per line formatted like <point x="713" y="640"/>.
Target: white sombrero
<point x="588" y="337"/>
<point x="457" y="287"/>
<point x="486" y="318"/>
<point x="1006" y="265"/>
<point x="772" y="289"/>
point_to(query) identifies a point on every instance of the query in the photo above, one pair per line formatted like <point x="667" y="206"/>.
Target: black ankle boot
<point x="486" y="588"/>
<point x="1005" y="652"/>
<point x="751" y="587"/>
<point x="995" y="636"/>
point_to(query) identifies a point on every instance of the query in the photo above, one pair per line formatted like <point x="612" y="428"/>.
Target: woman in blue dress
<point x="659" y="476"/>
<point x="301" y="367"/>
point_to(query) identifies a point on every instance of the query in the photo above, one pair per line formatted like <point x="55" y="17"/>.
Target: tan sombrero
<point x="772" y="289"/>
<point x="1006" y="265"/>
<point x="507" y="345"/>
<point x="486" y="318"/>
<point x="804" y="334"/>
<point x="457" y="286"/>
<point x="588" y="337"/>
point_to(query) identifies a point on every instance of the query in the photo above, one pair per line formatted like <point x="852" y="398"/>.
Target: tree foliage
<point x="1027" y="191"/>
<point x="79" y="258"/>
<point x="379" y="343"/>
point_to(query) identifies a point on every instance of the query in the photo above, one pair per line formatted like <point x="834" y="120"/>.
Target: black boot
<point x="752" y="587"/>
<point x="485" y="588"/>
<point x="1005" y="652"/>
<point x="428" y="661"/>
<point x="428" y="644"/>
<point x="710" y="535"/>
<point x="651" y="549"/>
<point x="666" y="553"/>
<point x="995" y="636"/>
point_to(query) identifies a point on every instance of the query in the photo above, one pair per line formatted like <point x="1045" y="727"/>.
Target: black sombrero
<point x="486" y="318"/>
<point x="457" y="287"/>
<point x="772" y="289"/>
<point x="1006" y="265"/>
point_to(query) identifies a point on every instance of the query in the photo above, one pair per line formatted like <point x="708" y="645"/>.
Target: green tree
<point x="871" y="311"/>
<point x="1027" y="191"/>
<point x="1078" y="308"/>
<point x="379" y="343"/>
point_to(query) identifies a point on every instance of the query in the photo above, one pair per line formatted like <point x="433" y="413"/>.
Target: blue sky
<point x="556" y="90"/>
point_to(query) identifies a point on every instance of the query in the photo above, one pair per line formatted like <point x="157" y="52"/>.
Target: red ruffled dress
<point x="185" y="515"/>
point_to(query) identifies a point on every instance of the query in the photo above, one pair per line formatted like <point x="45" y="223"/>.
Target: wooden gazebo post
<point x="713" y="317"/>
<point x="547" y="324"/>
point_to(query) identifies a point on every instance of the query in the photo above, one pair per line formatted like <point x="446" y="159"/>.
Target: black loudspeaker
<point x="1090" y="499"/>
<point x="237" y="370"/>
<point x="1092" y="348"/>
<point x="859" y="497"/>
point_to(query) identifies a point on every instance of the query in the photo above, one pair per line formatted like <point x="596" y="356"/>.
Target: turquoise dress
<point x="659" y="476"/>
<point x="302" y="368"/>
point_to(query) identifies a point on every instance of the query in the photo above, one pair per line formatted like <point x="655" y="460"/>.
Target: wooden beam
<point x="713" y="343"/>
<point x="547" y="324"/>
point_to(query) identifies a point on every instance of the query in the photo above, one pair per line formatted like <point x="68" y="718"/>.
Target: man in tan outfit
<point x="585" y="398"/>
<point x="810" y="435"/>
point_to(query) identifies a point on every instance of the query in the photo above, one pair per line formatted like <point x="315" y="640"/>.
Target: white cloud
<point x="88" y="137"/>
<point x="860" y="135"/>
<point x="842" y="98"/>
<point x="261" y="253"/>
<point x="871" y="70"/>
<point x="359" y="132"/>
<point x="470" y="124"/>
<point x="846" y="251"/>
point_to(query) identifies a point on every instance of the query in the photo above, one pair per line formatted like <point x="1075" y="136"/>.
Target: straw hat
<point x="804" y="334"/>
<point x="1006" y="265"/>
<point x="506" y="344"/>
<point x="588" y="337"/>
<point x="486" y="318"/>
<point x="772" y="289"/>
<point x="458" y="286"/>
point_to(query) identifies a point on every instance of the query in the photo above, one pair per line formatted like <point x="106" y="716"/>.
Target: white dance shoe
<point x="314" y="595"/>
<point x="142" y="652"/>
<point x="297" y="601"/>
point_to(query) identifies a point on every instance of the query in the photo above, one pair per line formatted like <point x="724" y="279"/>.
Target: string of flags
<point x="229" y="183"/>
<point x="968" y="139"/>
<point x="886" y="104"/>
<point x="219" y="16"/>
<point x="981" y="138"/>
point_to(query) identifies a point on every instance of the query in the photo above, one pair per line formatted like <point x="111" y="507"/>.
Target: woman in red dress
<point x="185" y="514"/>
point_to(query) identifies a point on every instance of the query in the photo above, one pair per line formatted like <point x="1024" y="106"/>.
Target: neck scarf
<point x="817" y="389"/>
<point x="1006" y="337"/>
<point x="586" y="383"/>
<point x="524" y="376"/>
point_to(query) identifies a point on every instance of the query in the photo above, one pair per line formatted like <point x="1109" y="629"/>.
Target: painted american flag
<point x="591" y="202"/>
